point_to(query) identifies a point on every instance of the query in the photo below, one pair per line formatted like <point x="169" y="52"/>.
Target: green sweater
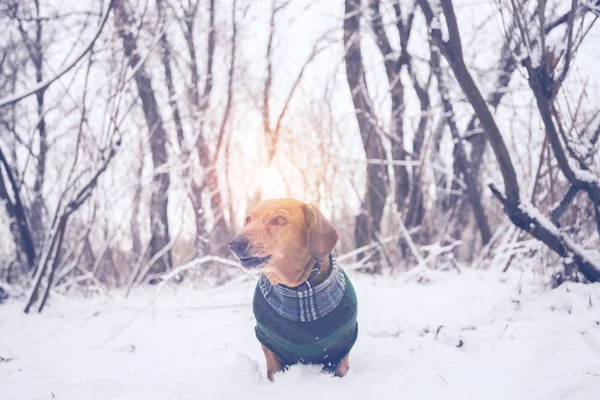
<point x="325" y="341"/>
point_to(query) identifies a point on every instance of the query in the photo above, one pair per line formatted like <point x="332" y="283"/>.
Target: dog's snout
<point x="239" y="245"/>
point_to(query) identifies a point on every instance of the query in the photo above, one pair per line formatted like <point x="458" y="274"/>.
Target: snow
<point x="590" y="256"/>
<point x="469" y="335"/>
<point x="539" y="218"/>
<point x="585" y="176"/>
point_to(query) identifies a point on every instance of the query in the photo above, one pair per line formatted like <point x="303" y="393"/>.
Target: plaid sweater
<point x="313" y="326"/>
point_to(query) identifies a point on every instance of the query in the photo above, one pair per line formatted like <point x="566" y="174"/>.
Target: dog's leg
<point x="343" y="367"/>
<point x="273" y="364"/>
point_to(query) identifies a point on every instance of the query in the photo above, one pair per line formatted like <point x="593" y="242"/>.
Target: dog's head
<point x="282" y="236"/>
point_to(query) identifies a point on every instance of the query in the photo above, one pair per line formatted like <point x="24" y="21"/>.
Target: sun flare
<point x="270" y="182"/>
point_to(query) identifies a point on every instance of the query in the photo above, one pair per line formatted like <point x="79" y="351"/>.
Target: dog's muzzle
<point x="241" y="248"/>
<point x="239" y="245"/>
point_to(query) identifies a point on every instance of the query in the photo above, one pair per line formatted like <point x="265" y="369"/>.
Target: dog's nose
<point x="239" y="245"/>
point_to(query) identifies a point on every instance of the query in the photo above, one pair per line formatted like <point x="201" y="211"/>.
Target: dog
<point x="304" y="303"/>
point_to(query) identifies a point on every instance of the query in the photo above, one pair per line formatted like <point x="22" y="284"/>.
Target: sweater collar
<point x="306" y="302"/>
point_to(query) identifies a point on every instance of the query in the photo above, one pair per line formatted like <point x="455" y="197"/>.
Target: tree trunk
<point x="159" y="222"/>
<point x="407" y="186"/>
<point x="393" y="67"/>
<point x="208" y="184"/>
<point x="368" y="222"/>
<point x="15" y="210"/>
<point x="135" y="211"/>
<point x="165" y="55"/>
<point x="452" y="51"/>
<point x="460" y="157"/>
<point x="415" y="211"/>
<point x="37" y="205"/>
<point x="19" y="226"/>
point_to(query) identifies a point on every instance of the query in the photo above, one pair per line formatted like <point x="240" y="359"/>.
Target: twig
<point x="195" y="263"/>
<point x="568" y="55"/>
<point x="364" y="248"/>
<point x="362" y="263"/>
<point x="502" y="333"/>
<point x="487" y="249"/>
<point x="561" y="207"/>
<point x="411" y="245"/>
<point x="164" y="279"/>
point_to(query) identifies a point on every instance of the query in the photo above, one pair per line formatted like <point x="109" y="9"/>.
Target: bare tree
<point x="16" y="212"/>
<point x="545" y="85"/>
<point x="34" y="44"/>
<point x="409" y="196"/>
<point x="53" y="255"/>
<point x="159" y="221"/>
<point x="522" y="213"/>
<point x="85" y="195"/>
<point x="368" y="222"/>
<point x="27" y="218"/>
<point x="204" y="183"/>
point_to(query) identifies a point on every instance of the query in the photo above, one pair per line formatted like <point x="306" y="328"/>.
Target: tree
<point x="159" y="221"/>
<point x="368" y="222"/>
<point x="521" y="212"/>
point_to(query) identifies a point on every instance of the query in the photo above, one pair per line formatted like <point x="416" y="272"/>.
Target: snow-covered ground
<point x="473" y="335"/>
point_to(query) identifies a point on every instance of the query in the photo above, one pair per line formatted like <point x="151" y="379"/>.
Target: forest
<point x="136" y="134"/>
<point x="452" y="145"/>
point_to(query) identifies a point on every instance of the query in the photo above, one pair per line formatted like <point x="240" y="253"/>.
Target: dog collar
<point x="306" y="302"/>
<point x="309" y="282"/>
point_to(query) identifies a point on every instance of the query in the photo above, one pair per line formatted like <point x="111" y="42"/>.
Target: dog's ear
<point x="320" y="234"/>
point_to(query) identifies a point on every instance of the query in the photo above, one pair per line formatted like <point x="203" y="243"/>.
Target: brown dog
<point x="304" y="304"/>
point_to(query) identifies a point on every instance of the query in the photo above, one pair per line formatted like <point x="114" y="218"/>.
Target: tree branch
<point x="528" y="218"/>
<point x="45" y="84"/>
<point x="571" y="21"/>
<point x="452" y="51"/>
<point x="562" y="206"/>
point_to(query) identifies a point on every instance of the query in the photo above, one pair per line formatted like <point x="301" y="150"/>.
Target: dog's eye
<point x="247" y="221"/>
<point x="279" y="221"/>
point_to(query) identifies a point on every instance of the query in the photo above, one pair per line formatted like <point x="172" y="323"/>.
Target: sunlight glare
<point x="270" y="182"/>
